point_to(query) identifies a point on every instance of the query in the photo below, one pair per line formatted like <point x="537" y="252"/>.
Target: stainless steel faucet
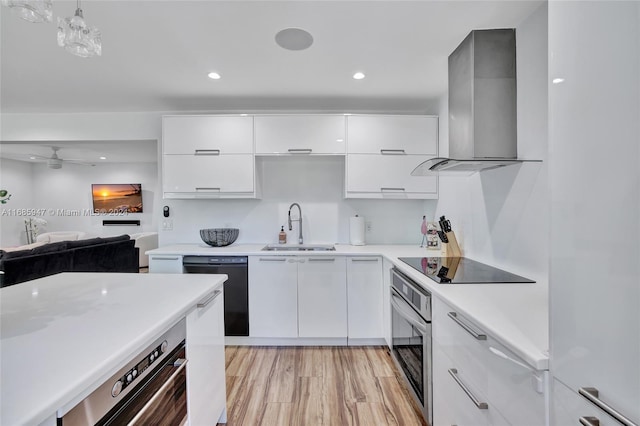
<point x="296" y="220"/>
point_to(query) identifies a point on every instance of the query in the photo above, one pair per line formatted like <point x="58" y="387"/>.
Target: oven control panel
<point x="130" y="376"/>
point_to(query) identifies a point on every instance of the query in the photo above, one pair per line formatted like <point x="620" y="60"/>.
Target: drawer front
<point x="569" y="408"/>
<point x="453" y="400"/>
<point x="511" y="385"/>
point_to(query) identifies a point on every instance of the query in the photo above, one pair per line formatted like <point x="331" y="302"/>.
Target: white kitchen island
<point x="62" y="336"/>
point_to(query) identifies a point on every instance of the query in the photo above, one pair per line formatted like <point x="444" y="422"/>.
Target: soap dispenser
<point x="282" y="236"/>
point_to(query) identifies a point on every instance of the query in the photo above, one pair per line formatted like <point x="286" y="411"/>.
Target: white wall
<point x="15" y="177"/>
<point x="317" y="184"/>
<point x="69" y="188"/>
<point x="502" y="214"/>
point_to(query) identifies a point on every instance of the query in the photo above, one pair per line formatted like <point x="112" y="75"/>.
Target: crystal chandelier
<point x="77" y="37"/>
<point x="32" y="10"/>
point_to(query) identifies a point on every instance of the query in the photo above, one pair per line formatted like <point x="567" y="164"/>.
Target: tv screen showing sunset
<point x="117" y="198"/>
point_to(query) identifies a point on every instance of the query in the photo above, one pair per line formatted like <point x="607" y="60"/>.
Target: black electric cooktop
<point x="460" y="270"/>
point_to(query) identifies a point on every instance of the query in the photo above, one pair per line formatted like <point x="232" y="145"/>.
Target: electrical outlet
<point x="167" y="224"/>
<point x="367" y="226"/>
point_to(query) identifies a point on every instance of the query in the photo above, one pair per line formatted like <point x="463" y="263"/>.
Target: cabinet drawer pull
<point x="392" y="151"/>
<point x="364" y="260"/>
<point x="272" y="259"/>
<point x="165" y="258"/>
<point x="383" y="189"/>
<point x="481" y="405"/>
<point x="208" y="299"/>
<point x="322" y="259"/>
<point x="204" y="188"/>
<point x="589" y="421"/>
<point x="468" y="329"/>
<point x="300" y="150"/>
<point x="591" y="394"/>
<point x="207" y="152"/>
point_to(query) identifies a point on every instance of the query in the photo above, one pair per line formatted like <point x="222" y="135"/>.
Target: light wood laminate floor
<point x="298" y="386"/>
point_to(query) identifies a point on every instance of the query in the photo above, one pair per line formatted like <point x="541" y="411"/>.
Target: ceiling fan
<point x="55" y="162"/>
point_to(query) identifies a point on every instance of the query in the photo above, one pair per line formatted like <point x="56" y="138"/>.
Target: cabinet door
<point x="386" y="300"/>
<point x="594" y="276"/>
<point x="322" y="297"/>
<point x="208" y="175"/>
<point x="300" y="134"/>
<point x="568" y="408"/>
<point x="408" y="134"/>
<point x="206" y="393"/>
<point x="364" y="297"/>
<point x="165" y="264"/>
<point x="221" y="134"/>
<point x="273" y="296"/>
<point x="388" y="176"/>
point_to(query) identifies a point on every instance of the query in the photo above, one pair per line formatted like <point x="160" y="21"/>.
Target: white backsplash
<point x="317" y="184"/>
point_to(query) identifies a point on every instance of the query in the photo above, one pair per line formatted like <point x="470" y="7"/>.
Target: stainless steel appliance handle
<point x="468" y="329"/>
<point x="164" y="387"/>
<point x="207" y="152"/>
<point x="589" y="421"/>
<point x="481" y="405"/>
<point x="208" y="299"/>
<point x="384" y="189"/>
<point x="204" y="188"/>
<point x="591" y="394"/>
<point x="392" y="151"/>
<point x="272" y="259"/>
<point x="165" y="258"/>
<point x="300" y="150"/>
<point x="406" y="312"/>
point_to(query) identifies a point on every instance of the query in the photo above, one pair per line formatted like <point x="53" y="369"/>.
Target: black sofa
<point x="113" y="254"/>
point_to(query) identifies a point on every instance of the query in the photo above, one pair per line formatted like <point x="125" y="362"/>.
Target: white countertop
<point x="63" y="335"/>
<point x="516" y="315"/>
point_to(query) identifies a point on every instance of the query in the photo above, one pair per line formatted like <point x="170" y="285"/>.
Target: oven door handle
<point x="408" y="314"/>
<point x="158" y="394"/>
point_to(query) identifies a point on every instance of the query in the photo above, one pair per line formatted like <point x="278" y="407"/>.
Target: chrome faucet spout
<point x="300" y="241"/>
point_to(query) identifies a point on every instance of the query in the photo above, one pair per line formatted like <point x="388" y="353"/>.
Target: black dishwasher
<point x="236" y="288"/>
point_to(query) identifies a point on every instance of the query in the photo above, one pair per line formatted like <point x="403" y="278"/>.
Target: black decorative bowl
<point x="219" y="237"/>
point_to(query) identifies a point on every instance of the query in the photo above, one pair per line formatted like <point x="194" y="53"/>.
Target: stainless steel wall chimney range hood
<point x="482" y="105"/>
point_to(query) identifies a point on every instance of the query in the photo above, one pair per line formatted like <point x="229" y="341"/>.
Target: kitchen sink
<point x="299" y="247"/>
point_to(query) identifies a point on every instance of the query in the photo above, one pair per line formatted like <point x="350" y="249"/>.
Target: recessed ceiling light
<point x="358" y="76"/>
<point x="32" y="158"/>
<point x="214" y="75"/>
<point x="294" y="39"/>
<point x="557" y="80"/>
<point x="243" y="115"/>
<point x="103" y="158"/>
<point x="339" y="140"/>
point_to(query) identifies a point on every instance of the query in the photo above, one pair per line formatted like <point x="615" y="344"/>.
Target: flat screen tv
<point x="117" y="198"/>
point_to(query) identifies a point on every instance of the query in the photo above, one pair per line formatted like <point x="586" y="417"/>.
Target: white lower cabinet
<point x="273" y="296"/>
<point x="364" y="297"/>
<point x="386" y="301"/>
<point x="165" y="264"/>
<point x="322" y="297"/>
<point x="569" y="408"/>
<point x="206" y="385"/>
<point x="491" y="372"/>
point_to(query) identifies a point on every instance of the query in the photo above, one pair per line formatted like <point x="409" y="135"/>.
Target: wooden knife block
<point x="452" y="248"/>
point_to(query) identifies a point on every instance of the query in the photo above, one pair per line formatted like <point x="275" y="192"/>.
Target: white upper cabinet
<point x="202" y="134"/>
<point x="388" y="176"/>
<point x="392" y="134"/>
<point x="193" y="176"/>
<point x="300" y="134"/>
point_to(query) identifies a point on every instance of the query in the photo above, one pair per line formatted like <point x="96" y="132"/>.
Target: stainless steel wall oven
<point x="411" y="338"/>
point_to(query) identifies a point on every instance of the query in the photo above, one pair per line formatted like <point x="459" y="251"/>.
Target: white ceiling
<point x="138" y="151"/>
<point x="156" y="55"/>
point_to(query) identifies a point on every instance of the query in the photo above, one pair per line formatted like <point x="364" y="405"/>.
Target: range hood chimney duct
<point x="482" y="105"/>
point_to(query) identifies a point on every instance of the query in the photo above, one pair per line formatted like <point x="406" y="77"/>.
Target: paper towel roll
<point x="356" y="231"/>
